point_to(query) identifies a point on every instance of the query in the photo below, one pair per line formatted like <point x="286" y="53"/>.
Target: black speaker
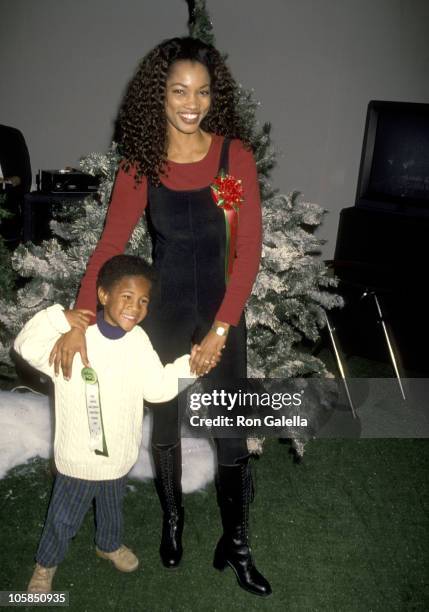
<point x="382" y="238"/>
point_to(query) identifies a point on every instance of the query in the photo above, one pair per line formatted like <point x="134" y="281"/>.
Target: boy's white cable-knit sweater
<point x="128" y="370"/>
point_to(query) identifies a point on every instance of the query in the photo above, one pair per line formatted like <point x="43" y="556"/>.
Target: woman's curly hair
<point x="142" y="122"/>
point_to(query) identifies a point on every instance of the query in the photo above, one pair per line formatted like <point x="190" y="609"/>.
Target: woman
<point x="179" y="131"/>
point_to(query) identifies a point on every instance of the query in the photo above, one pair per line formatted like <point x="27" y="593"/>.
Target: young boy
<point x="98" y="412"/>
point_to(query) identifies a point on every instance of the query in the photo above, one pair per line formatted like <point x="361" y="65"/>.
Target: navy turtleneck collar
<point x="112" y="332"/>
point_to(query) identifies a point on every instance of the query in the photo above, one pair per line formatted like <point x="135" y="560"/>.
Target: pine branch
<point x="200" y="25"/>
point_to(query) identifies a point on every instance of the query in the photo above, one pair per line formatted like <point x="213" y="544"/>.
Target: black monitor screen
<point x="395" y="159"/>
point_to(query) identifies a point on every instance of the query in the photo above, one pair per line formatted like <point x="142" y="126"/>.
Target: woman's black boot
<point x="168" y="477"/>
<point x="234" y="489"/>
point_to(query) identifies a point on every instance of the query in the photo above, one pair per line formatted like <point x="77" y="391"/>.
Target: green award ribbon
<point x="97" y="440"/>
<point x="89" y="376"/>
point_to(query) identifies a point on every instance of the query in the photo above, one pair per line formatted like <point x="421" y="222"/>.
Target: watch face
<point x="220" y="331"/>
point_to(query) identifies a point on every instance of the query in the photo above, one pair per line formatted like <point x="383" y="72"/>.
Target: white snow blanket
<point x="26" y="431"/>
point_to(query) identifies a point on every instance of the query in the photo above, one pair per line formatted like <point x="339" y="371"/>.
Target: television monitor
<point x="394" y="168"/>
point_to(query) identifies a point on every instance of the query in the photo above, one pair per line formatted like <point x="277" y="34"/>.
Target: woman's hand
<point x="72" y="342"/>
<point x="79" y="317"/>
<point x="65" y="349"/>
<point x="206" y="355"/>
<point x="206" y="366"/>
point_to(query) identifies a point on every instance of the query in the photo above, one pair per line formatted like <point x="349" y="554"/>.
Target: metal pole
<point x="340" y="365"/>
<point x="389" y="344"/>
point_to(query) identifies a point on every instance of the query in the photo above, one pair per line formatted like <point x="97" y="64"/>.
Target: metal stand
<point x="340" y="364"/>
<point x="388" y="340"/>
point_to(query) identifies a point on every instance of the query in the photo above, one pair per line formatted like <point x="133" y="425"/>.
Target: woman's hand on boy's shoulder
<point x="65" y="349"/>
<point x="79" y="317"/>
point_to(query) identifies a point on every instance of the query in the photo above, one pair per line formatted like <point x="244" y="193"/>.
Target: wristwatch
<point x="219" y="330"/>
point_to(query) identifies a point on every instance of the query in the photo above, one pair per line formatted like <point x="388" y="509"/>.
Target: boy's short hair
<point x="114" y="269"/>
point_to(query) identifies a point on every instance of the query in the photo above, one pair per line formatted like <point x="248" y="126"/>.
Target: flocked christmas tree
<point x="290" y="294"/>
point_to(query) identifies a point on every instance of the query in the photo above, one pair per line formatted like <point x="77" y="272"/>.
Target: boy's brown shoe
<point x="41" y="580"/>
<point x="123" y="559"/>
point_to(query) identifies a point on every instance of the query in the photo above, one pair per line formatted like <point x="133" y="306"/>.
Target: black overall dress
<point x="189" y="243"/>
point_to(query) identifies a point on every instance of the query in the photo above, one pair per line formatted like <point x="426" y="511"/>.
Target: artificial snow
<point x="26" y="431"/>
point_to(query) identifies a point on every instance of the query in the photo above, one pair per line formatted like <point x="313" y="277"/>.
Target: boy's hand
<point x="65" y="349"/>
<point x="207" y="367"/>
<point x="206" y="356"/>
<point x="79" y="317"/>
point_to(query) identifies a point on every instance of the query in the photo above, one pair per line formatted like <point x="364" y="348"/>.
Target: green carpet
<point x="346" y="530"/>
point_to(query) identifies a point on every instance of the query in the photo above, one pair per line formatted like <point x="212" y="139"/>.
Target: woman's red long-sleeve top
<point x="129" y="201"/>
